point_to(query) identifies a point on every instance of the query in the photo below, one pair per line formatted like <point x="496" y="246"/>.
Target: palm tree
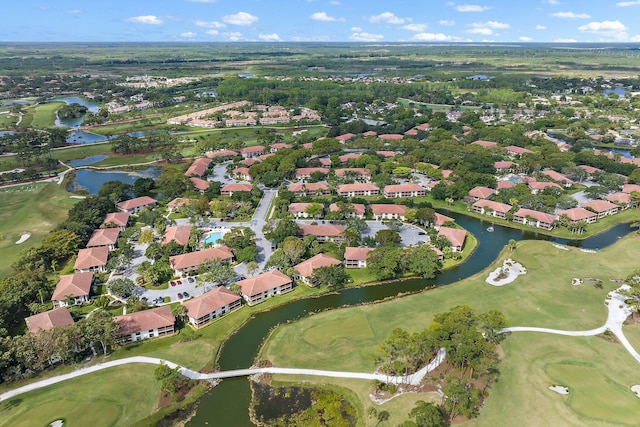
<point x="512" y="245"/>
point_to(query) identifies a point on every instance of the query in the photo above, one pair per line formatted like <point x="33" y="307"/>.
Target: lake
<point x="84" y="137"/>
<point x="77" y="121"/>
<point x="91" y="180"/>
<point x="90" y="160"/>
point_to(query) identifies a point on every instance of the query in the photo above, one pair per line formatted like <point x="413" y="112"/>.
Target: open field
<point x="543" y="297"/>
<point x="31" y="208"/>
<point x="114" y="397"/>
<point x="346" y="339"/>
<point x="41" y="116"/>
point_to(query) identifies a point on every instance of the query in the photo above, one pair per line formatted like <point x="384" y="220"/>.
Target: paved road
<point x="411" y="379"/>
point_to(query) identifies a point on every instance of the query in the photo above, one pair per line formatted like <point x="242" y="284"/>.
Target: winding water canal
<point x="227" y="403"/>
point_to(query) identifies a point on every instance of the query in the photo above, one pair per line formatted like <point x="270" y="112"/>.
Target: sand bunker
<point x="23" y="238"/>
<point x="636" y="389"/>
<point x="559" y="389"/>
<point x="509" y="271"/>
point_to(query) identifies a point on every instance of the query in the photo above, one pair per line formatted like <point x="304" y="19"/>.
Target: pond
<point x="227" y="403"/>
<point x="74" y="122"/>
<point x="91" y="180"/>
<point x="90" y="160"/>
<point x="6" y="132"/>
<point x="84" y="137"/>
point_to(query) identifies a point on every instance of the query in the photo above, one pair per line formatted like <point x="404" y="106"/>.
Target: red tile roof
<point x="209" y="302"/>
<point x="577" y="214"/>
<point x="198" y="167"/>
<point x="254" y="149"/>
<point x="358" y="208"/>
<point x="482" y="192"/>
<point x="91" y="257"/>
<point x="136" y="203"/>
<point x="440" y="219"/>
<point x="221" y="153"/>
<point x="589" y="169"/>
<point x="280" y="146"/>
<point x="496" y="206"/>
<point x="263" y="282"/>
<point x="233" y="187"/>
<point x="179" y="234"/>
<point x="386" y="153"/>
<point x="357" y="254"/>
<point x="370" y="133"/>
<point x="199" y="183"/>
<point x="348" y="188"/>
<point x="503" y="165"/>
<point x="241" y="171"/>
<point x="311" y="187"/>
<point x="250" y="161"/>
<point x="345" y="137"/>
<point x="118" y="219"/>
<point x="599" y="205"/>
<point x="322" y="230"/>
<point x="49" y="319"/>
<point x="145" y="320"/>
<point x="103" y="237"/>
<point x="455" y="235"/>
<point x="305" y="268"/>
<point x="309" y="171"/>
<point x="402" y="188"/>
<point x="556" y="176"/>
<point x="630" y="188"/>
<point x="391" y="136"/>
<point x="540" y="185"/>
<point x="505" y="184"/>
<point x="194" y="259"/>
<point x="538" y="216"/>
<point x="517" y="150"/>
<point x="378" y="209"/>
<point x="346" y="157"/>
<point x="620" y="197"/>
<point x="298" y="207"/>
<point x="76" y="285"/>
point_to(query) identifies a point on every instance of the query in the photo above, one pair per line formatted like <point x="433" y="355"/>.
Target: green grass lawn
<point x="7" y="119"/>
<point x="41" y="116"/>
<point x="31" y="208"/>
<point x="597" y="372"/>
<point x="543" y="297"/>
<point x="117" y="396"/>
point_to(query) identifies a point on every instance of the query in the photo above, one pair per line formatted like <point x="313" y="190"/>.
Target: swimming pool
<point x="212" y="237"/>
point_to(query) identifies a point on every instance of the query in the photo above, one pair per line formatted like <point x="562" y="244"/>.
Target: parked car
<point x="179" y="282"/>
<point x="191" y="280"/>
<point x="421" y="233"/>
<point x="179" y="295"/>
<point x="186" y="294"/>
<point x="172" y="283"/>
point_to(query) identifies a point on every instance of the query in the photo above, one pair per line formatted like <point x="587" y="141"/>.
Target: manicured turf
<point x="41" y="116"/>
<point x="599" y="375"/>
<point x="113" y="397"/>
<point x="31" y="208"/>
<point x="543" y="297"/>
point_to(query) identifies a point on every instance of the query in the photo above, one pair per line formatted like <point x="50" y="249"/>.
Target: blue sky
<point x="322" y="20"/>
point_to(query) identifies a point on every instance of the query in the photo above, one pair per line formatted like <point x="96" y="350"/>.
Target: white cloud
<point x="628" y="3"/>
<point x="232" y="36"/>
<point x="356" y="29"/>
<point x="269" y="37"/>
<point x="552" y="2"/>
<point x="571" y="15"/>
<point x="635" y="39"/>
<point x="540" y="27"/>
<point x="212" y="32"/>
<point x="525" y="39"/>
<point x="209" y="24"/>
<point x="483" y="31"/>
<point x="432" y="37"/>
<point x="386" y="18"/>
<point x="145" y="19"/>
<point x="75" y="11"/>
<point x="418" y="28"/>
<point x="240" y="18"/>
<point x="610" y="30"/>
<point x="561" y="40"/>
<point x="471" y="8"/>
<point x="188" y="35"/>
<point x="365" y="37"/>
<point x="323" y="17"/>
<point x="446" y="23"/>
<point x="486" y="28"/>
<point x="335" y="3"/>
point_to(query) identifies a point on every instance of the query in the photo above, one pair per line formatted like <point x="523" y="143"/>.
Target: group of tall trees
<point x="469" y="340"/>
